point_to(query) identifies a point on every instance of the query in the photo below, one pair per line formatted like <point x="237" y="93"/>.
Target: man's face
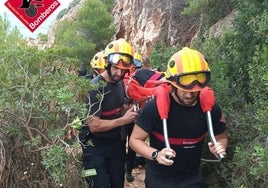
<point x="187" y="98"/>
<point x="117" y="73"/>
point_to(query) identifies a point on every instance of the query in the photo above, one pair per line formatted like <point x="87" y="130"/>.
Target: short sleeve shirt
<point x="187" y="128"/>
<point x="106" y="102"/>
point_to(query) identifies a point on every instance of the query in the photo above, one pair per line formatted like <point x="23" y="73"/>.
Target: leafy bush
<point x="161" y="54"/>
<point x="238" y="61"/>
<point x="40" y="95"/>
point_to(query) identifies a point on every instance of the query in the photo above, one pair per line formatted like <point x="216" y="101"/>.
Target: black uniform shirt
<point x="108" y="107"/>
<point x="187" y="128"/>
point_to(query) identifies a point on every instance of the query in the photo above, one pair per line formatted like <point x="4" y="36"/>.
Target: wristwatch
<point x="155" y="154"/>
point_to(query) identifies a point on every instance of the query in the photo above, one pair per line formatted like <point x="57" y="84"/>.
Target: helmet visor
<point x="137" y="63"/>
<point x="188" y="81"/>
<point x="120" y="60"/>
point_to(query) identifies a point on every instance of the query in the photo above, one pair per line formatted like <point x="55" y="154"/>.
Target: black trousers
<point x="108" y="160"/>
<point x="152" y="180"/>
<point x="131" y="154"/>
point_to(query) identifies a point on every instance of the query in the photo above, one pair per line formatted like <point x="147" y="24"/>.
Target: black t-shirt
<point x="108" y="107"/>
<point x="187" y="128"/>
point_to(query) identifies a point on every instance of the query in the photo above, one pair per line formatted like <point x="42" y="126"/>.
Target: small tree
<point x="95" y="23"/>
<point x="40" y="96"/>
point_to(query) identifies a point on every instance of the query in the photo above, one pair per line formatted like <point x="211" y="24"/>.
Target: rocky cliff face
<point x="145" y="22"/>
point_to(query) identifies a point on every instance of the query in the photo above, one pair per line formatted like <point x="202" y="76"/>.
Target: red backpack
<point x="142" y="85"/>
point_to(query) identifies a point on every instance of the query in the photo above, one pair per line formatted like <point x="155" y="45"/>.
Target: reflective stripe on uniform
<point x="179" y="141"/>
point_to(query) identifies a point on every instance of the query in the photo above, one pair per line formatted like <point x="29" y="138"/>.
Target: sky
<point x="43" y="28"/>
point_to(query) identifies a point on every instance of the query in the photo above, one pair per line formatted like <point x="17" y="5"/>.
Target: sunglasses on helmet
<point x="188" y="81"/>
<point x="120" y="59"/>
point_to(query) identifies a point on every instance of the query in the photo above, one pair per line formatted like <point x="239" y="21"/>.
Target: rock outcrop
<point x="145" y="22"/>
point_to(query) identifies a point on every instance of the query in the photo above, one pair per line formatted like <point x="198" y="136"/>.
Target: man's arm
<point x="137" y="143"/>
<point x="101" y="125"/>
<point x="221" y="145"/>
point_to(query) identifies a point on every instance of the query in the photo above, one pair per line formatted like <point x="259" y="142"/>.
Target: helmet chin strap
<point x="108" y="68"/>
<point x="175" y="94"/>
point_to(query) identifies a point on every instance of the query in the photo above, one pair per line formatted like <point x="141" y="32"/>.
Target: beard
<point x="187" y="101"/>
<point x="117" y="78"/>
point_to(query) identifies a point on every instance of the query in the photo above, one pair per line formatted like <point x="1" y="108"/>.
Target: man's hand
<point x="217" y="149"/>
<point x="165" y="156"/>
<point x="100" y="125"/>
<point x="130" y="115"/>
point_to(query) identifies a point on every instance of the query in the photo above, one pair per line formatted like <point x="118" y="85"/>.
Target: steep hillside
<point x="146" y="22"/>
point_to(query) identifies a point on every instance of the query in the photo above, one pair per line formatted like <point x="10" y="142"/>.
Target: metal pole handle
<point x="211" y="132"/>
<point x="166" y="133"/>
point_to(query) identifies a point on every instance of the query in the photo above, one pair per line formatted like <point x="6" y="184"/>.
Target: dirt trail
<point x="138" y="182"/>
